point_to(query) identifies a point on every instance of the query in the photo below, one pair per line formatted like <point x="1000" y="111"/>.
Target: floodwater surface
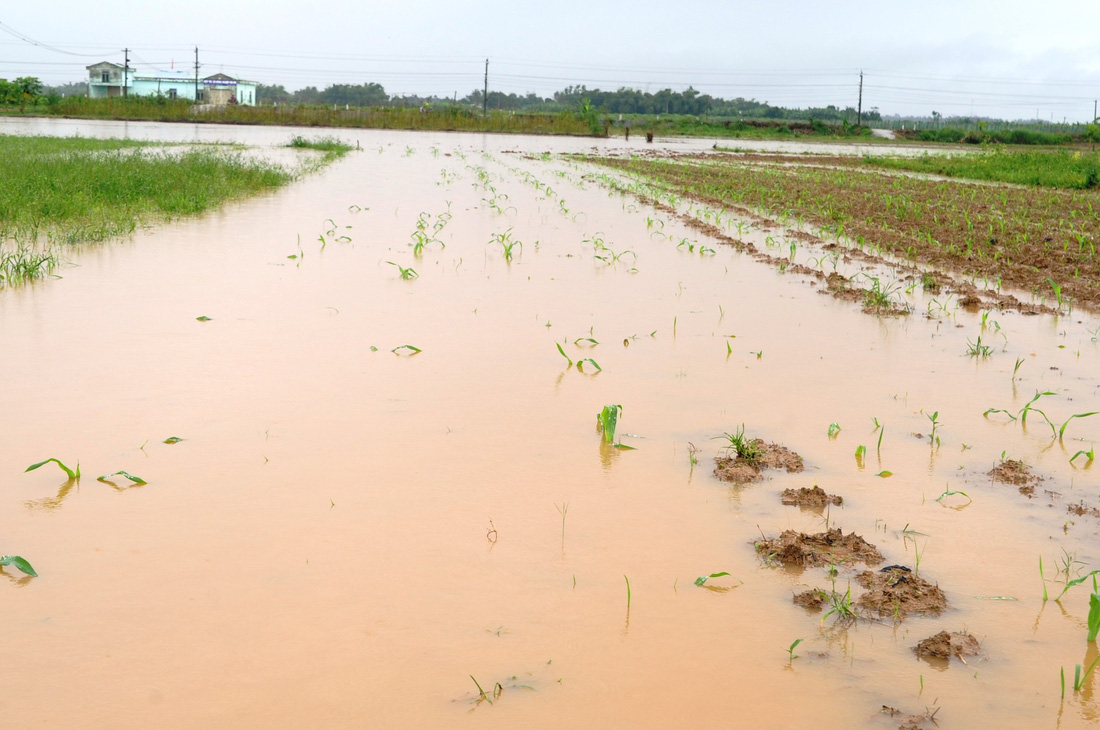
<point x="356" y="533"/>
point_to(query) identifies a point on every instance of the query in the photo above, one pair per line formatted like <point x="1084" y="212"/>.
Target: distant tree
<point x="75" y="88"/>
<point x="276" y="94"/>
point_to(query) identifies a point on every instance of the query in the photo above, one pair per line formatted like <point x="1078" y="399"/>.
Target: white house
<point x="108" y="80"/>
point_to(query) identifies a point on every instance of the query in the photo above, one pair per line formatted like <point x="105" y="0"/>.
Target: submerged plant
<point x="607" y="420"/>
<point x="18" y="562"/>
<point x="69" y="472"/>
<point x="406" y="274"/>
<point x="131" y="477"/>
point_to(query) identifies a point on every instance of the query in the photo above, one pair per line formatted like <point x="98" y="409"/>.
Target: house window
<point x="106" y="76"/>
<point x="200" y="94"/>
<point x="171" y="93"/>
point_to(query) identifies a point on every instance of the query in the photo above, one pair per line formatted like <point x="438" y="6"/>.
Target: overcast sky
<point x="1010" y="59"/>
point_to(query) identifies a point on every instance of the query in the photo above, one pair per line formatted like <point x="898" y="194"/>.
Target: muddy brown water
<point x="316" y="551"/>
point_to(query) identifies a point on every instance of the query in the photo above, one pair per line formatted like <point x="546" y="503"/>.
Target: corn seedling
<point x="203" y="318"/>
<point x="1043" y="578"/>
<point x="1089" y="455"/>
<point x="627" y="591"/>
<point x="20" y="563"/>
<point x="704" y="578"/>
<point x="607" y="420"/>
<point x="406" y="274"/>
<point x="1062" y="430"/>
<point x="1016" y="370"/>
<point x="506" y="242"/>
<point x="790" y="650"/>
<point x="861" y="452"/>
<point x="412" y="350"/>
<point x="131" y="477"/>
<point x="949" y="493"/>
<point x="692" y="451"/>
<point x="935" y="419"/>
<point x="1094" y="616"/>
<point x="1079" y="677"/>
<point x="172" y="440"/>
<point x="68" y="472"/>
<point x="834" y="429"/>
<point x="1075" y="582"/>
<point x="569" y="359"/>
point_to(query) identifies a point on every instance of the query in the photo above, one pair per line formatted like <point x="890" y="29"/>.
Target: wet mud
<point x="742" y="470"/>
<point x="810" y="497"/>
<point x="959" y="644"/>
<point x="832" y="547"/>
<point x="898" y="591"/>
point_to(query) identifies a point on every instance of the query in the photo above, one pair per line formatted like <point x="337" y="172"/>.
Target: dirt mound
<point x="944" y="646"/>
<point x="1011" y="471"/>
<point x="740" y="470"/>
<point x="824" y="548"/>
<point x="911" y="722"/>
<point x="813" y="599"/>
<point x="897" y="591"/>
<point x="810" y="497"/>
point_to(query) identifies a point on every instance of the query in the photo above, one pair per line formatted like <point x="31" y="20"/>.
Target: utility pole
<point x="485" y="94"/>
<point x="859" y="111"/>
<point x="125" y="71"/>
<point x="197" y="100"/>
<point x="1094" y="110"/>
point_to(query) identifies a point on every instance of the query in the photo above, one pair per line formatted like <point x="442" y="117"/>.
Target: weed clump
<point x="746" y="459"/>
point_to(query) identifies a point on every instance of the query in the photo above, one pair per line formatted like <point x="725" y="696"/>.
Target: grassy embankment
<point x="449" y="118"/>
<point x="1052" y="169"/>
<point x="1039" y="239"/>
<point x="72" y="190"/>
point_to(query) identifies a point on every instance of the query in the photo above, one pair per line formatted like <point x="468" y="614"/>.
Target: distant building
<point x="107" y="80"/>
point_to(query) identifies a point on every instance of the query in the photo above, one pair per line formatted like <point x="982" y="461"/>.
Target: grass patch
<point x="1041" y="168"/>
<point x="71" y="190"/>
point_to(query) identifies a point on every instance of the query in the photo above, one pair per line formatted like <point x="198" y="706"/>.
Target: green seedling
<point x="977" y="349"/>
<point x="1075" y="582"/>
<point x="482" y="695"/>
<point x="840" y="606"/>
<point x="607" y="420"/>
<point x="1043" y="578"/>
<point x="1016" y="370"/>
<point x="506" y="242"/>
<point x="1062" y="430"/>
<point x="692" y="451"/>
<point x="564" y="355"/>
<point x="1089" y="455"/>
<point x="861" y="451"/>
<point x="1094" y="616"/>
<point x="580" y="364"/>
<point x="627" y="591"/>
<point x="740" y="445"/>
<point x="172" y="440"/>
<point x="1079" y="677"/>
<point x="704" y="578"/>
<point x="790" y="650"/>
<point x="131" y="477"/>
<point x="885" y="474"/>
<point x="406" y="274"/>
<point x="69" y="472"/>
<point x="834" y="429"/>
<point x="949" y="493"/>
<point x="202" y="318"/>
<point x="411" y="349"/>
<point x="935" y="419"/>
<point x="19" y="562"/>
<point x="589" y="340"/>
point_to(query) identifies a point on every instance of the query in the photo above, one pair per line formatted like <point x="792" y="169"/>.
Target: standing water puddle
<point x="356" y="533"/>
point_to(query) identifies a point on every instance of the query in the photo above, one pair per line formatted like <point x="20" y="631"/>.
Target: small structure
<point x="110" y="80"/>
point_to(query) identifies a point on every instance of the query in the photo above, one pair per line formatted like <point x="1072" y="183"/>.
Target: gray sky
<point x="1010" y="58"/>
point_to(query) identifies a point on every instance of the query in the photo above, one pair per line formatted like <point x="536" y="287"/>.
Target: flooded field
<point x="385" y="502"/>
